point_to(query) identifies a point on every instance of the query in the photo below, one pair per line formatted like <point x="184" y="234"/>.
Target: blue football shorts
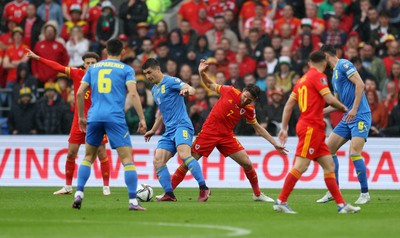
<point x="172" y="139"/>
<point x="359" y="127"/>
<point x="118" y="134"/>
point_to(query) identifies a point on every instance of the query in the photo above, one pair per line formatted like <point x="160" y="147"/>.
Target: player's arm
<point x="330" y="109"/>
<point x="135" y="99"/>
<point x="360" y="86"/>
<point x="158" y="122"/>
<point x="334" y="102"/>
<point x="52" y="64"/>
<point x="264" y="133"/>
<point x="287" y="112"/>
<point x="204" y="77"/>
<point x="187" y="90"/>
<point x="80" y="97"/>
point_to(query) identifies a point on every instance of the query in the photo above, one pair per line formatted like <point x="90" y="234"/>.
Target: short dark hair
<point x="150" y="63"/>
<point x="317" y="56"/>
<point x="91" y="54"/>
<point x="114" y="47"/>
<point x="355" y="59"/>
<point x="330" y="49"/>
<point x="254" y="90"/>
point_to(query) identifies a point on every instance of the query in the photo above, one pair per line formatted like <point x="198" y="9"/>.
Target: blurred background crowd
<point x="263" y="42"/>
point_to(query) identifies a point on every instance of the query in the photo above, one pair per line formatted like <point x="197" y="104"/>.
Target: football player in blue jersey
<point x="356" y="122"/>
<point x="168" y="93"/>
<point x="109" y="81"/>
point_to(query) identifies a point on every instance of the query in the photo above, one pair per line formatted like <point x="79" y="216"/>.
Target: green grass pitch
<point x="34" y="212"/>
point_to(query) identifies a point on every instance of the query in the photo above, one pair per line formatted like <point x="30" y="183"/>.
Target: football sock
<point x="130" y="179"/>
<point x="361" y="171"/>
<point x="69" y="170"/>
<point x="333" y="187"/>
<point x="105" y="170"/>
<point x="83" y="174"/>
<point x="195" y="169"/>
<point x="179" y="175"/>
<point x="252" y="177"/>
<point x="290" y="182"/>
<point x="165" y="178"/>
<point x="336" y="162"/>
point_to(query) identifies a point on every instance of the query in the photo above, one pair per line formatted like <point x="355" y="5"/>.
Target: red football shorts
<point x="311" y="143"/>
<point x="76" y="136"/>
<point x="205" y="144"/>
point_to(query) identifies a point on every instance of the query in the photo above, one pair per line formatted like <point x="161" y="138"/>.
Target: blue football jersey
<point x="342" y="85"/>
<point x="107" y="80"/>
<point x="171" y="103"/>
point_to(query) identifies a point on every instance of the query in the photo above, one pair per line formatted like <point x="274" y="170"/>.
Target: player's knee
<point x="72" y="154"/>
<point x="158" y="162"/>
<point x="247" y="165"/>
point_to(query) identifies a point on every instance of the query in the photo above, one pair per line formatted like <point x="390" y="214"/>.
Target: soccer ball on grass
<point x="144" y="193"/>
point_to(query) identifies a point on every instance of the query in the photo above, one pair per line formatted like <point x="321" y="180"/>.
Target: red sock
<point x="105" y="170"/>
<point x="290" y="182"/>
<point x="69" y="171"/>
<point x="252" y="177"/>
<point x="179" y="175"/>
<point x="330" y="181"/>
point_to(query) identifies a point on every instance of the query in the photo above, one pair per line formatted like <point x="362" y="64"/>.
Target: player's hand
<point x="148" y="135"/>
<point x="31" y="55"/>
<point x="184" y="92"/>
<point x="282" y="136"/>
<point x="142" y="127"/>
<point x="203" y="66"/>
<point x="350" y="116"/>
<point x="282" y="149"/>
<point x="82" y="124"/>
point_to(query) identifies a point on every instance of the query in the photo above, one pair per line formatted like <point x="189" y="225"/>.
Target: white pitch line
<point x="233" y="231"/>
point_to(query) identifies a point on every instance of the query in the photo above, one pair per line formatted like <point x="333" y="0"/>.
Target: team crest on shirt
<point x="323" y="81"/>
<point x="242" y="111"/>
<point x="197" y="146"/>
<point x="311" y="151"/>
<point x="55" y="46"/>
<point x="346" y="65"/>
<point x="177" y="80"/>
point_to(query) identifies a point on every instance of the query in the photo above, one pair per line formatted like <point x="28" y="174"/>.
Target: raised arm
<point x="204" y="77"/>
<point x="52" y="64"/>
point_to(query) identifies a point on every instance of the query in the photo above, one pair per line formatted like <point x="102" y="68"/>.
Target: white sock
<point x="79" y="193"/>
<point x="133" y="201"/>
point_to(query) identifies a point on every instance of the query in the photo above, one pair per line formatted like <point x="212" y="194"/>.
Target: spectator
<point x="50" y="49"/>
<point x="276" y="44"/>
<point x="364" y="73"/>
<point x="177" y="50"/>
<point x="393" y="55"/>
<point x="390" y="96"/>
<point x="261" y="73"/>
<point x="270" y="59"/>
<point x="392" y="7"/>
<point x="188" y="11"/>
<point x="373" y="64"/>
<point x="246" y="63"/>
<point x="306" y="27"/>
<point x="203" y="24"/>
<point x="132" y="12"/>
<point x="287" y="18"/>
<point x="107" y="25"/>
<point x="68" y="5"/>
<point x="172" y="68"/>
<point x="335" y="35"/>
<point x="201" y="49"/>
<point x="189" y="36"/>
<point x="234" y="78"/>
<point x="77" y="45"/>
<point x="266" y="24"/>
<point x="142" y="29"/>
<point x="32" y="26"/>
<point x="53" y="115"/>
<point x="21" y="120"/>
<point x="379" y="112"/>
<point x="49" y="10"/>
<point x="15" y="9"/>
<point x="132" y="118"/>
<point x="256" y="42"/>
<point x="231" y="22"/>
<point x="326" y="9"/>
<point x="147" y="50"/>
<point x="306" y="47"/>
<point x="24" y="80"/>
<point x="162" y="55"/>
<point x="353" y="41"/>
<point x="369" y="26"/>
<point x="393" y="129"/>
<point x="185" y="72"/>
<point x="141" y="86"/>
<point x="93" y="17"/>
<point x="274" y="111"/>
<point x="284" y="74"/>
<point x="246" y="11"/>
<point x="218" y="8"/>
<point x="62" y="86"/>
<point x="370" y="84"/>
<point x="226" y="46"/>
<point x="196" y="107"/>
<point x="160" y="33"/>
<point x="75" y="20"/>
<point x="346" y="22"/>
<point x="6" y="38"/>
<point x="287" y="38"/>
<point x="215" y="35"/>
<point x="129" y="52"/>
<point x="317" y="24"/>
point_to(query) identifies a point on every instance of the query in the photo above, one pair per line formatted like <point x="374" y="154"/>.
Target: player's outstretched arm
<point x="52" y="64"/>
<point x="204" y="77"/>
<point x="287" y="112"/>
<point x="187" y="90"/>
<point x="135" y="99"/>
<point x="80" y="97"/>
<point x="360" y="86"/>
<point x="158" y="122"/>
<point x="334" y="103"/>
<point x="264" y="133"/>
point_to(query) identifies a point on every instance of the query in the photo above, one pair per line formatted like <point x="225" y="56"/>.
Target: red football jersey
<point x="309" y="92"/>
<point x="227" y="112"/>
<point x="76" y="74"/>
<point x="15" y="11"/>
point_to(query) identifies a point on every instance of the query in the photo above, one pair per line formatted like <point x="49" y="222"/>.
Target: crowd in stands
<point x="263" y="42"/>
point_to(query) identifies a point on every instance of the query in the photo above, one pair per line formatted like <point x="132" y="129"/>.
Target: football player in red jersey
<point x="217" y="130"/>
<point x="77" y="137"/>
<point x="311" y="93"/>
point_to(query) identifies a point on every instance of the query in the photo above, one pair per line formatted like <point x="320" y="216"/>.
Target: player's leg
<point x="300" y="166"/>
<point x="69" y="169"/>
<point x="105" y="168"/>
<point x="181" y="172"/>
<point x="161" y="157"/>
<point x="327" y="164"/>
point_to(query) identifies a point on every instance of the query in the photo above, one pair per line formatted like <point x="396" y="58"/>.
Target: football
<point x="144" y="193"/>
